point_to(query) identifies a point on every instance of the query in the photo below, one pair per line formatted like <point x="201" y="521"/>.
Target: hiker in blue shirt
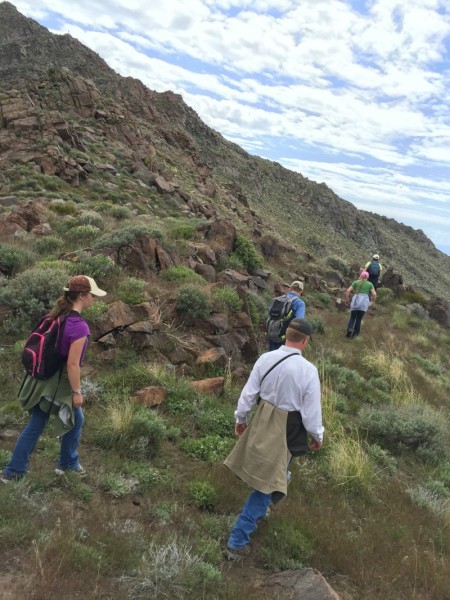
<point x="297" y="310"/>
<point x="374" y="268"/>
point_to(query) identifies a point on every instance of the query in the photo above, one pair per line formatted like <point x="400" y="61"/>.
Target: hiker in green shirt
<point x="363" y="291"/>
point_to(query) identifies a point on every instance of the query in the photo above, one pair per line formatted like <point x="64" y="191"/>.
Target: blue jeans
<point x="354" y="323"/>
<point x="68" y="458"/>
<point x="254" y="509"/>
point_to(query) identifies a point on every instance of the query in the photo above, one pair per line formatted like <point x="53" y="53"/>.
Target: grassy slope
<point x="359" y="527"/>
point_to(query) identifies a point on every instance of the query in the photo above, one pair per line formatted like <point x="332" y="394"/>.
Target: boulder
<point x="393" y="280"/>
<point x="151" y="395"/>
<point x="222" y="236"/>
<point x="304" y="584"/>
<point x="333" y="279"/>
<point x="163" y="186"/>
<point x="211" y="386"/>
<point x="234" y="277"/>
<point x="214" y="356"/>
<point x="208" y="272"/>
<point x="147" y="311"/>
<point x="118" y="316"/>
<point x="241" y="320"/>
<point x="145" y="254"/>
<point x="202" y="252"/>
<point x="213" y="324"/>
<point x="439" y="310"/>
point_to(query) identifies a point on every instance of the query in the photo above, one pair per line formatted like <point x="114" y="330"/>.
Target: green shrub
<point x="286" y="547"/>
<point x="181" y="274"/>
<point x="338" y="264"/>
<point x="125" y="236"/>
<point x="131" y="290"/>
<point x="318" y="324"/>
<point x="94" y="312"/>
<point x="173" y="571"/>
<point x="384" y="296"/>
<point x="48" y="244"/>
<point x="193" y="301"/>
<point x="132" y="430"/>
<point x="120" y="212"/>
<point x="181" y="399"/>
<point x="64" y="208"/>
<point x="323" y="298"/>
<point x="227" y="299"/>
<point x="246" y="252"/>
<point x="429" y="366"/>
<point x="410" y="427"/>
<point x="203" y="494"/>
<point x="351" y="384"/>
<point x="91" y="218"/>
<point x="216" y="420"/>
<point x="211" y="448"/>
<point x="14" y="259"/>
<point x="182" y="231"/>
<point x="32" y="293"/>
<point x="258" y="308"/>
<point x="97" y="266"/>
<point x="83" y="233"/>
<point x="382" y="457"/>
<point x="231" y="262"/>
<point x="117" y="485"/>
<point x="413" y="298"/>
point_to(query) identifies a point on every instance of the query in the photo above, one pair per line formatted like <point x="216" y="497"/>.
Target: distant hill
<point x="163" y="130"/>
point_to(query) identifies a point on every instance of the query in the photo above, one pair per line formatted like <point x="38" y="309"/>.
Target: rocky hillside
<point x="59" y="98"/>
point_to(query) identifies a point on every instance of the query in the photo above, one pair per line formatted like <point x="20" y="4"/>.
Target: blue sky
<point x="354" y="93"/>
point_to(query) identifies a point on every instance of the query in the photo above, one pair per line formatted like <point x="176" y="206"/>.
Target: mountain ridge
<point x="318" y="219"/>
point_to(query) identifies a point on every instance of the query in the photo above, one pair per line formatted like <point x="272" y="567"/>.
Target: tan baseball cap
<point x="83" y="283"/>
<point x="297" y="284"/>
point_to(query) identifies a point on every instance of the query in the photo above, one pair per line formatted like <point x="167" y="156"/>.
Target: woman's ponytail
<point x="63" y="305"/>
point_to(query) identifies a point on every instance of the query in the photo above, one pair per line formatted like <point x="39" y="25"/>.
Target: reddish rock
<point x="145" y="254"/>
<point x="305" y="584"/>
<point x="152" y="395"/>
<point x="241" y="320"/>
<point x="215" y="356"/>
<point x="118" y="316"/>
<point x="164" y="186"/>
<point x="208" y="272"/>
<point x="147" y="311"/>
<point x="202" y="252"/>
<point x="222" y="235"/>
<point x="211" y="386"/>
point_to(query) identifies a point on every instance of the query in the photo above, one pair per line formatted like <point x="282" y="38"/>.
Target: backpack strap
<point x="272" y="368"/>
<point x="276" y="364"/>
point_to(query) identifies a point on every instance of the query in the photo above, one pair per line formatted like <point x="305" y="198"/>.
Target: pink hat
<point x="364" y="275"/>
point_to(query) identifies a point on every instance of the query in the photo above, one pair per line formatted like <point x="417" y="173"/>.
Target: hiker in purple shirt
<point x="60" y="394"/>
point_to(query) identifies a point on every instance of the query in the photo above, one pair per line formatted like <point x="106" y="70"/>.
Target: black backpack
<point x="280" y="315"/>
<point x="40" y="356"/>
<point x="374" y="268"/>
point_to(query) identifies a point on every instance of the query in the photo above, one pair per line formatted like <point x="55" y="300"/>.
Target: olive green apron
<point x="54" y="397"/>
<point x="261" y="457"/>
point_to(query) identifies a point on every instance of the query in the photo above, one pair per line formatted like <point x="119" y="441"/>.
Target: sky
<point x="353" y="93"/>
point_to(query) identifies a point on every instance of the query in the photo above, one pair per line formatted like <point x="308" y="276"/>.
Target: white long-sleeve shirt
<point x="292" y="385"/>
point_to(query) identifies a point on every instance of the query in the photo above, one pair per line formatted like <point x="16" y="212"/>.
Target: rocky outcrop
<point x="439" y="310"/>
<point x="307" y="584"/>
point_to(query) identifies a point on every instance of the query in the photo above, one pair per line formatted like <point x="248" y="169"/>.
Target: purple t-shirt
<point x="74" y="328"/>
